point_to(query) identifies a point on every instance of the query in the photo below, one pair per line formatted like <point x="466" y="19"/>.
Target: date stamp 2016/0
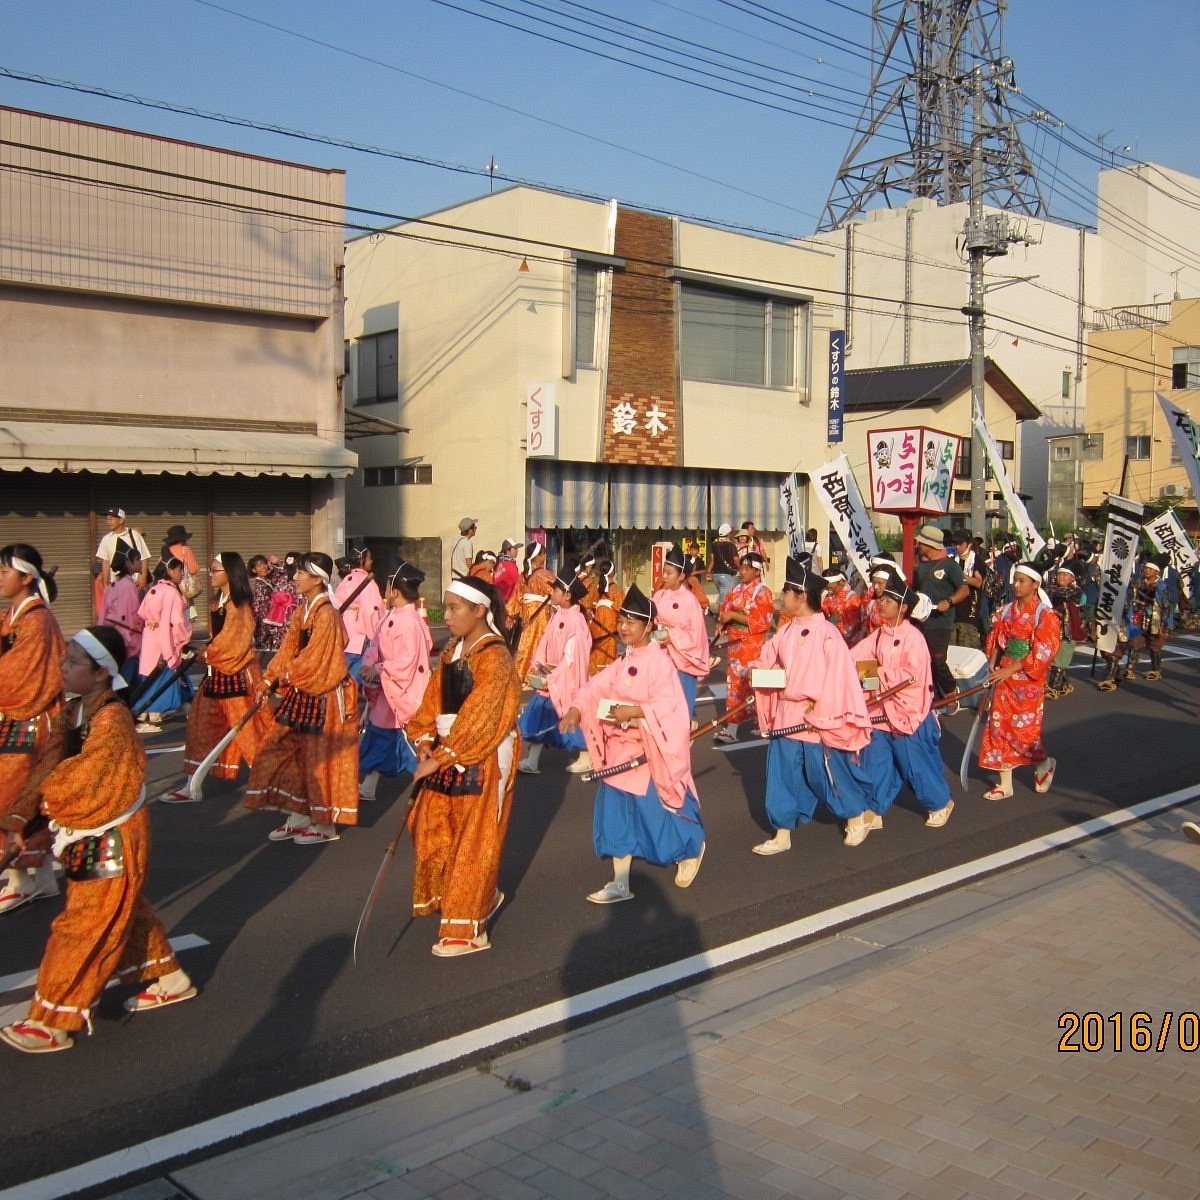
<point x="1137" y="1031"/>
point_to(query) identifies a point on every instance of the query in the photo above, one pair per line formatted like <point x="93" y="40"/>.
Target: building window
<point x="378" y="375"/>
<point x="1063" y="451"/>
<point x="397" y="476"/>
<point x="966" y="447"/>
<point x="1137" y="447"/>
<point x="1185" y="367"/>
<point x="587" y="280"/>
<point x="734" y="337"/>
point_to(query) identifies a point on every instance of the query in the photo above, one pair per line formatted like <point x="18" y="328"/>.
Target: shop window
<point x="737" y="337"/>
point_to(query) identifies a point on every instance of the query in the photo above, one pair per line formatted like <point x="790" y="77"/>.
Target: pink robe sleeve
<point x="679" y="612"/>
<point x="404" y="673"/>
<point x="571" y="673"/>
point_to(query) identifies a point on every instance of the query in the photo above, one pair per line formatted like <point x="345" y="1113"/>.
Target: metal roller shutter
<point x="268" y="515"/>
<point x="50" y="513"/>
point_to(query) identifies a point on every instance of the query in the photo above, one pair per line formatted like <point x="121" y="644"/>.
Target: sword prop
<point x="142" y="702"/>
<point x="196" y="783"/>
<point x="955" y="697"/>
<point x="389" y="855"/>
<point x="973" y="737"/>
<point x="805" y="727"/>
<point x="640" y="760"/>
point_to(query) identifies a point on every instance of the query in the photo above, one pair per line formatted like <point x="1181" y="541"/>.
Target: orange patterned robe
<point x="746" y="641"/>
<point x="461" y="817"/>
<point x="230" y="664"/>
<point x="603" y="626"/>
<point x="312" y="773"/>
<point x="31" y="654"/>
<point x="1029" y="633"/>
<point x="532" y="598"/>
<point x="108" y="926"/>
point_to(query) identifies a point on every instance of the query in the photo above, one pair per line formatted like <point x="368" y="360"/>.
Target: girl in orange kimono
<point x="31" y="651"/>
<point x="746" y="616"/>
<point x="603" y="609"/>
<point x="466" y="741"/>
<point x="532" y="605"/>
<point x="1021" y="647"/>
<point x="232" y="678"/>
<point x="307" y="766"/>
<point x="90" y="783"/>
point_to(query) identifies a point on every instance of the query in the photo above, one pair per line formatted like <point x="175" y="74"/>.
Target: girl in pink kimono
<point x="363" y="616"/>
<point x="395" y="672"/>
<point x="560" y="669"/>
<point x="681" y="626"/>
<point x="906" y="739"/>
<point x="165" y="635"/>
<point x="822" y="704"/>
<point x="119" y="608"/>
<point x="649" y="810"/>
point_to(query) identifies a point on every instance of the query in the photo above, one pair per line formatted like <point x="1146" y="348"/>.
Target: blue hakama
<point x="538" y="723"/>
<point x="800" y="775"/>
<point x="895" y="759"/>
<point x="642" y="826"/>
<point x="386" y="751"/>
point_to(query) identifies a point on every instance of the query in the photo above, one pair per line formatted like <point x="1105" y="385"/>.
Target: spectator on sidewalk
<point x="462" y="553"/>
<point x="119" y="536"/>
<point x="722" y="563"/>
<point x="967" y="612"/>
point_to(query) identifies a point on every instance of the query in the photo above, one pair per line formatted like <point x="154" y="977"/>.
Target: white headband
<point x="312" y="568"/>
<point x="472" y="595"/>
<point x="94" y="649"/>
<point x="1029" y="572"/>
<point x="27" y="568"/>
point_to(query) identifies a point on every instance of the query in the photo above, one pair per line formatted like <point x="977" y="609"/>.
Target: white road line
<point x="26" y="979"/>
<point x="256" y="1116"/>
<point x="166" y="749"/>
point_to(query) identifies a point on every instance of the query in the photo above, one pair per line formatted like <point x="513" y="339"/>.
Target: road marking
<point x="26" y="979"/>
<point x="256" y="1116"/>
<point x="166" y="749"/>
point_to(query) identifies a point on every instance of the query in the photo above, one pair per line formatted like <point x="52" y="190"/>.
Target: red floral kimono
<point x="746" y="642"/>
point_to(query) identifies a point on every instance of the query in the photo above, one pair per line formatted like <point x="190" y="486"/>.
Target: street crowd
<point x="319" y="678"/>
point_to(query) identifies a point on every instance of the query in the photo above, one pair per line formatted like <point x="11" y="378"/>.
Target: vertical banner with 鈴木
<point x="837" y="384"/>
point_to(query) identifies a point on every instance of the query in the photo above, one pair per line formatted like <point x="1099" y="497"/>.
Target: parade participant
<point x="905" y="746"/>
<point x="1064" y="599"/>
<point x="307" y="766"/>
<point x="463" y="550"/>
<point x="560" y="669"/>
<point x="31" y="653"/>
<point x="693" y="568"/>
<point x="966" y="630"/>
<point x="1149" y="620"/>
<point x="842" y="606"/>
<point x="745" y="618"/>
<point x="1022" y="645"/>
<point x="532" y="605"/>
<point x="883" y="567"/>
<point x="649" y="811"/>
<point x="484" y="566"/>
<point x="364" y="612"/>
<point x="91" y="784"/>
<point x="175" y="545"/>
<point x="940" y="578"/>
<point x="507" y="575"/>
<point x="395" y="671"/>
<point x="464" y="737"/>
<point x="681" y="627"/>
<point x="119" y="608"/>
<point x="822" y="702"/>
<point x="603" y="619"/>
<point x="165" y="634"/>
<point x="722" y="563"/>
<point x="232" y="679"/>
<point x="119" y="535"/>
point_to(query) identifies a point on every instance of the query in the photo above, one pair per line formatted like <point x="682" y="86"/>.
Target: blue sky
<point x="453" y="87"/>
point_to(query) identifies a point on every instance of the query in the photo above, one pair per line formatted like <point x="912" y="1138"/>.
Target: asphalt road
<point x="282" y="1005"/>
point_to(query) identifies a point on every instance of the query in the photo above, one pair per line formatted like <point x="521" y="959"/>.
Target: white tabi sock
<point x="621" y="870"/>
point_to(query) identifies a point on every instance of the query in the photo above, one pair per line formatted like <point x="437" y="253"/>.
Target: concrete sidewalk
<point x="914" y="1055"/>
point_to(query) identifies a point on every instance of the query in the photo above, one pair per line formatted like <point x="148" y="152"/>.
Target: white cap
<point x="724" y="530"/>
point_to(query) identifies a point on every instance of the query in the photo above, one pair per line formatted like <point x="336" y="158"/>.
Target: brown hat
<point x="931" y="535"/>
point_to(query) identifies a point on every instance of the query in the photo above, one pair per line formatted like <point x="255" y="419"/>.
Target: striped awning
<point x="737" y="496"/>
<point x="659" y="498"/>
<point x="566" y="495"/>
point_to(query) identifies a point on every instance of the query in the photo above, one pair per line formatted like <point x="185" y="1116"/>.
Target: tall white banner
<point x="789" y="501"/>
<point x="1027" y="534"/>
<point x="840" y="498"/>
<point x="1167" y="535"/>
<point x="1187" y="438"/>
<point x="1116" y="568"/>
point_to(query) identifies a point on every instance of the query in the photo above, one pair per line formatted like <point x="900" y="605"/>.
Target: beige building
<point x="1130" y="449"/>
<point x="170" y="342"/>
<point x="937" y="395"/>
<point x="908" y="279"/>
<point x="569" y="368"/>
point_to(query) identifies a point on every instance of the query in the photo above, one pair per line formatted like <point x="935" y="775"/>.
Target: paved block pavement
<point x="916" y="1054"/>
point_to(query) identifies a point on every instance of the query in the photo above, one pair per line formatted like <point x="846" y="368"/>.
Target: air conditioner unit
<point x="1172" y="489"/>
